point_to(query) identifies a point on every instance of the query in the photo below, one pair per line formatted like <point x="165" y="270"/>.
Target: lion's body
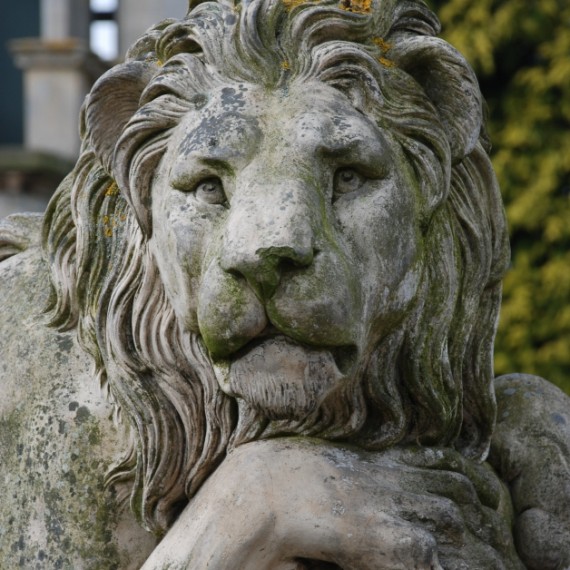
<point x="283" y="223"/>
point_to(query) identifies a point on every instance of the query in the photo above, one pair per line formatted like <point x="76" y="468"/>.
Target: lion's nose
<point x="262" y="248"/>
<point x="264" y="267"/>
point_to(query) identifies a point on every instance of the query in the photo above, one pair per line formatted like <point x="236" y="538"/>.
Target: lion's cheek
<point x="382" y="233"/>
<point x="179" y="281"/>
<point x="177" y="245"/>
<point x="319" y="305"/>
<point x="389" y="306"/>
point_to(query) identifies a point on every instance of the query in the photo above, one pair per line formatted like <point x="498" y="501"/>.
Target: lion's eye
<point x="211" y="191"/>
<point x="347" y="180"/>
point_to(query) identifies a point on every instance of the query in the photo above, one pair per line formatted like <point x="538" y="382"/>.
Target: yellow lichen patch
<point x="384" y="46"/>
<point x="357" y="6"/>
<point x="151" y="58"/>
<point x="112" y="190"/>
<point x="285" y="65"/>
<point x="387" y="62"/>
<point x="290" y="4"/>
<point x="110" y="222"/>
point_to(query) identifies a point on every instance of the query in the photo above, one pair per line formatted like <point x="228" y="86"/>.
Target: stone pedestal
<point x="57" y="75"/>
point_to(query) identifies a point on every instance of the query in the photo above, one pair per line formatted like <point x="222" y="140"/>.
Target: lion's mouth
<point x="284" y="378"/>
<point x="344" y="356"/>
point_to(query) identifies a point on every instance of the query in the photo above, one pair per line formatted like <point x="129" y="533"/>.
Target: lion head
<point x="283" y="221"/>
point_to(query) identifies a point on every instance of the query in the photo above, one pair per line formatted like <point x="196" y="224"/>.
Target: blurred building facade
<point x="51" y="52"/>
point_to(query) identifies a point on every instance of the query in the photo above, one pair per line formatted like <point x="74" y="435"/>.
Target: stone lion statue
<point x="282" y="248"/>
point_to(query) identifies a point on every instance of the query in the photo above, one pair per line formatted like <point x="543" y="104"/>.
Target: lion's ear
<point x="113" y="100"/>
<point x="449" y="82"/>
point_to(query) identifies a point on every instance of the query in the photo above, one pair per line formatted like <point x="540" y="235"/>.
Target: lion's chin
<point x="280" y="378"/>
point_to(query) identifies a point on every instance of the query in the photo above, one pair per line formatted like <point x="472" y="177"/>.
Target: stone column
<point x="64" y="19"/>
<point x="57" y="75"/>
<point x="58" y="70"/>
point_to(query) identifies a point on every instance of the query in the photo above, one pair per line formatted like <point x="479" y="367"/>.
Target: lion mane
<point x="429" y="381"/>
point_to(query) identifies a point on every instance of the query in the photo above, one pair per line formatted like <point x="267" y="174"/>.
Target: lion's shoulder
<point x="57" y="437"/>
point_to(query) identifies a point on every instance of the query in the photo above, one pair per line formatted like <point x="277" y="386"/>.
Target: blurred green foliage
<point x="520" y="50"/>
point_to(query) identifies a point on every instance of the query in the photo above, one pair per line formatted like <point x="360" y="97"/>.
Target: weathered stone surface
<point x="530" y="451"/>
<point x="280" y="503"/>
<point x="57" y="440"/>
<point x="282" y="247"/>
